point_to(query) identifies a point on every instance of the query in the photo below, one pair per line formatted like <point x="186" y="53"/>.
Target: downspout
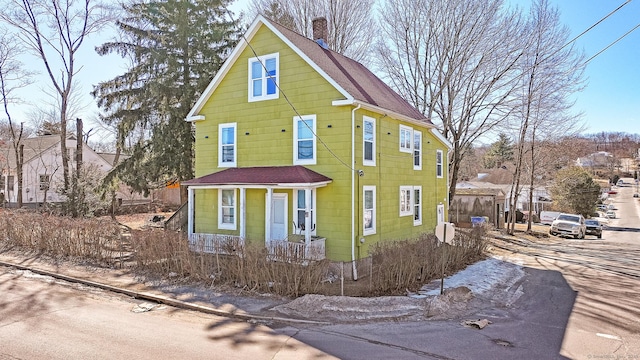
<point x="353" y="192"/>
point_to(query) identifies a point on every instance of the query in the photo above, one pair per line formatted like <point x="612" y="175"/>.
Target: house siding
<point x="265" y="138"/>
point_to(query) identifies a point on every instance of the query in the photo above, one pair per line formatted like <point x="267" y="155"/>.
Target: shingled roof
<point x="267" y="175"/>
<point x="352" y="76"/>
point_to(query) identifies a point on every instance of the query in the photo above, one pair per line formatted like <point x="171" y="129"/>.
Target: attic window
<point x="263" y="77"/>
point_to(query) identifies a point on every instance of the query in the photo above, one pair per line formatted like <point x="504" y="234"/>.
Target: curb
<point x="164" y="299"/>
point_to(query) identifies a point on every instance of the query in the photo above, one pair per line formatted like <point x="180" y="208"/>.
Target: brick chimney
<point x="320" y="31"/>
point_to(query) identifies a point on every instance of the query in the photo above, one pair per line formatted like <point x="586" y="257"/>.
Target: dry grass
<point x="395" y="266"/>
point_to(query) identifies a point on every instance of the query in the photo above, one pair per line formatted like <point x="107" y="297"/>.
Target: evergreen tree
<point x="175" y="47"/>
<point x="500" y="152"/>
<point x="575" y="191"/>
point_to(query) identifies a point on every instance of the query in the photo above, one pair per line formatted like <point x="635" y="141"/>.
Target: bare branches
<point x="350" y="22"/>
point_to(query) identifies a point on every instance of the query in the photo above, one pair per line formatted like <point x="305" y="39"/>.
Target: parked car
<point x="570" y="225"/>
<point x="635" y="195"/>
<point x="593" y="228"/>
<point x="610" y="214"/>
<point x="547" y="217"/>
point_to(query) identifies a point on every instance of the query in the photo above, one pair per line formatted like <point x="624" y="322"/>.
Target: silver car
<point x="569" y="225"/>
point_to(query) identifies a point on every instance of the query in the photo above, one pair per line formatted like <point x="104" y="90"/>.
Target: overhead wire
<point x="286" y="98"/>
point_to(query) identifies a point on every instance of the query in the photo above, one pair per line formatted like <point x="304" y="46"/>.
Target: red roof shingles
<point x="352" y="76"/>
<point x="268" y="175"/>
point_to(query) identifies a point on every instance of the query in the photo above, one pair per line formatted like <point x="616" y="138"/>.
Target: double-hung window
<point x="417" y="205"/>
<point x="439" y="161"/>
<point x="264" y="77"/>
<point x="44" y="182"/>
<point x="227" y="140"/>
<point x="227" y="209"/>
<point x="369" y="210"/>
<point x="417" y="150"/>
<point x="304" y="140"/>
<point x="369" y="141"/>
<point x="406" y="137"/>
<point x="301" y="201"/>
<point x="406" y="201"/>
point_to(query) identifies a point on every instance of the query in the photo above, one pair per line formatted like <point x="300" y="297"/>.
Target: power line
<point x="284" y="95"/>
<point x="613" y="43"/>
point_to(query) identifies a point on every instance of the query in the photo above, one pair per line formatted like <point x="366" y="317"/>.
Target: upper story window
<point x="10" y="181"/>
<point x="227" y="143"/>
<point x="369" y="210"/>
<point x="304" y="140"/>
<point x="439" y="167"/>
<point x="369" y="141"/>
<point x="227" y="209"/>
<point x="417" y="150"/>
<point x="263" y="77"/>
<point x="44" y="182"/>
<point x="406" y="137"/>
<point x="406" y="201"/>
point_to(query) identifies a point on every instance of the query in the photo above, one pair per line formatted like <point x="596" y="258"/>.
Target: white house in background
<point x="42" y="169"/>
<point x="597" y="159"/>
<point x="541" y="196"/>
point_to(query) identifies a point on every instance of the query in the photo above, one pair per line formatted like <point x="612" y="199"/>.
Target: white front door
<point x="278" y="217"/>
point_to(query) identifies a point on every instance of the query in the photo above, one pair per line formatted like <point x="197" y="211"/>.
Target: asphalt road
<point x="580" y="301"/>
<point x="41" y="318"/>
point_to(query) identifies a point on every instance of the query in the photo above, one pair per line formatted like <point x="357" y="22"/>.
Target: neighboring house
<point x="541" y="196"/>
<point x="477" y="202"/>
<point x="42" y="170"/>
<point x="333" y="164"/>
<point x="600" y="159"/>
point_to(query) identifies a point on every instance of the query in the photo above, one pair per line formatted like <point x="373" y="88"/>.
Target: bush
<point x="407" y="265"/>
<point x="396" y="266"/>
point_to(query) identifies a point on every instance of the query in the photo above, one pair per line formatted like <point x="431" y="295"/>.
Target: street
<point x="41" y="318"/>
<point x="579" y="301"/>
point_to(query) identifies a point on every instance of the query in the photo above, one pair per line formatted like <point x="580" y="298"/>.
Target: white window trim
<point x="234" y="163"/>
<point x="372" y="161"/>
<point x="403" y="148"/>
<point x="313" y="211"/>
<point x="262" y="60"/>
<point x="408" y="203"/>
<point x="313" y="160"/>
<point x="417" y="135"/>
<point x="371" y="231"/>
<point x="417" y="207"/>
<point x="227" y="226"/>
<point x="440" y="174"/>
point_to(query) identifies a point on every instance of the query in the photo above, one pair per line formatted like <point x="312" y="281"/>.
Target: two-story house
<point x="295" y="142"/>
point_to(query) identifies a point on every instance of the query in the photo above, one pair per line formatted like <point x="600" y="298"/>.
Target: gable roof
<point x="268" y="175"/>
<point x="355" y="82"/>
<point x="33" y="147"/>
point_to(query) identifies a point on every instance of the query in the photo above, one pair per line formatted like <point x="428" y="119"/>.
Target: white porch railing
<point x="215" y="243"/>
<point x="293" y="250"/>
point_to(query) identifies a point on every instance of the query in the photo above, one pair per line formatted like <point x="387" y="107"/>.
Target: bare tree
<point x="54" y="31"/>
<point x="350" y="22"/>
<point x="456" y="61"/>
<point x="12" y="77"/>
<point x="551" y="72"/>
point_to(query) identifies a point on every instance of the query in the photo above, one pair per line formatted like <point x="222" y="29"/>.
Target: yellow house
<point x="296" y="143"/>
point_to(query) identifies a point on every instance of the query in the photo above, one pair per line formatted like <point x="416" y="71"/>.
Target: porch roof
<point x="267" y="176"/>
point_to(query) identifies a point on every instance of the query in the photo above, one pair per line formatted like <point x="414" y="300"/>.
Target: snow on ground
<point x="488" y="282"/>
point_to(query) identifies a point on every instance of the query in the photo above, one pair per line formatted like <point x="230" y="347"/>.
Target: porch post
<point x="243" y="212"/>
<point x="268" y="215"/>
<point x="307" y="217"/>
<point x="190" y="207"/>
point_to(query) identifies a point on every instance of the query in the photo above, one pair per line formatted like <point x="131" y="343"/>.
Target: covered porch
<point x="286" y="240"/>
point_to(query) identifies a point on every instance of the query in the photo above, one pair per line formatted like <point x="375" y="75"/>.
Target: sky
<point x="610" y="102"/>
